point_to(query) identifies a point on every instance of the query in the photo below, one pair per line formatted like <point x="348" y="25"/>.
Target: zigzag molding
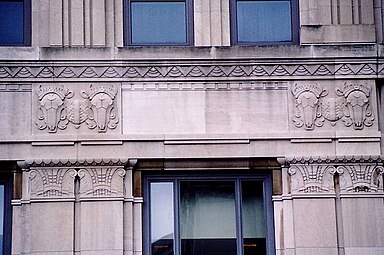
<point x="190" y="71"/>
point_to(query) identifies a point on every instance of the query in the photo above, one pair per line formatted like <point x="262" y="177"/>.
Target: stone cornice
<point x="334" y="160"/>
<point x="73" y="163"/>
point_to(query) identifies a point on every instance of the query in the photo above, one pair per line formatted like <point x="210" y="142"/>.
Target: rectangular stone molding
<point x="77" y="23"/>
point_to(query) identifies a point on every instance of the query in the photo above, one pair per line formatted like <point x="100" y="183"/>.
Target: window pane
<point x="1" y="218"/>
<point x="11" y="22"/>
<point x="207" y="218"/>
<point x="264" y="21"/>
<point x="254" y="228"/>
<point x="158" y="22"/>
<point x="162" y="218"/>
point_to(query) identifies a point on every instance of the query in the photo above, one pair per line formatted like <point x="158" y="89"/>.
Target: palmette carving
<point x="52" y="113"/>
<point x="307" y="105"/>
<point x="357" y="111"/>
<point x="317" y="175"/>
<point x="101" y="112"/>
<point x="311" y="178"/>
<point x="361" y="178"/>
<point x="46" y="183"/>
<point x="102" y="181"/>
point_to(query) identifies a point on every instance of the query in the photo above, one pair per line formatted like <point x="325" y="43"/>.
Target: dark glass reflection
<point x="11" y="23"/>
<point x="158" y="22"/>
<point x="264" y="21"/>
<point x="253" y="218"/>
<point x="207" y="218"/>
<point x="1" y="218"/>
<point x="162" y="218"/>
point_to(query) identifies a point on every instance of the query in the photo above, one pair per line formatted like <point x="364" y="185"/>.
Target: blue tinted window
<point x="158" y="22"/>
<point x="11" y="22"/>
<point x="264" y="21"/>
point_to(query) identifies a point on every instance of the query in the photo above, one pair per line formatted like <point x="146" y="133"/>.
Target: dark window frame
<point x="6" y="180"/>
<point x="128" y="23"/>
<point x="175" y="178"/>
<point x="295" y="23"/>
<point x="27" y="24"/>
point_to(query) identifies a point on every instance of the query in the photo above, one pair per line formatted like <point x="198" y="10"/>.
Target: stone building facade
<point x="92" y="123"/>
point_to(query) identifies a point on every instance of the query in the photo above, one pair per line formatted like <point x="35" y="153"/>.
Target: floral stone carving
<point x="307" y="105"/>
<point x="102" y="181"/>
<point x="101" y="111"/>
<point x="357" y="111"/>
<point x="52" y="183"/>
<point x="52" y="112"/>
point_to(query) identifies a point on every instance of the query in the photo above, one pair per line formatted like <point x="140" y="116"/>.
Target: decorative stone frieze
<point x="52" y="114"/>
<point x="48" y="183"/>
<point x="101" y="112"/>
<point x="197" y="70"/>
<point x="101" y="181"/>
<point x="358" y="111"/>
<point x="307" y="104"/>
<point x="55" y="178"/>
<point x="60" y="107"/>
<point x="351" y="103"/>
<point x="313" y="175"/>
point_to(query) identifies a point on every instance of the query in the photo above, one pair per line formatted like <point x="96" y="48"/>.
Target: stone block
<point x="315" y="226"/>
<point x="101" y="227"/>
<point x="52" y="228"/>
<point x="363" y="225"/>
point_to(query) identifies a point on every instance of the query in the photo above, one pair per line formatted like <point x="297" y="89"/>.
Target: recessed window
<point x="204" y="216"/>
<point x="5" y="215"/>
<point x="264" y="22"/>
<point x="14" y="23"/>
<point x="158" y="22"/>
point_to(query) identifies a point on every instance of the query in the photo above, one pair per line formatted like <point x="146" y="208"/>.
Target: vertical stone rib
<point x="65" y="23"/>
<point x="87" y="23"/>
<point x="55" y="23"/>
<point x="76" y="23"/>
<point x="109" y="23"/>
<point x="118" y="23"/>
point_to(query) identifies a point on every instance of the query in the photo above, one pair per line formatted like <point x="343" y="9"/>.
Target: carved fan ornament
<point x="58" y="107"/>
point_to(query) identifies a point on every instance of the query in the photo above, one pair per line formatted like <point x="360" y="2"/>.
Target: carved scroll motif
<point x="52" y="183"/>
<point x="52" y="114"/>
<point x="102" y="181"/>
<point x="357" y="111"/>
<point x="101" y="112"/>
<point x="307" y="105"/>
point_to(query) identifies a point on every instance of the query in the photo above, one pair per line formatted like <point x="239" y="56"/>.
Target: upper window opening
<point x="264" y="22"/>
<point x="158" y="22"/>
<point x="14" y="22"/>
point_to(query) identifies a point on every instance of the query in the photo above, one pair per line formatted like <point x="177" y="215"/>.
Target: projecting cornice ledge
<point x="75" y="163"/>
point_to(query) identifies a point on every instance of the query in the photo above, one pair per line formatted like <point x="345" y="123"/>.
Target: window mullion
<point x="239" y="224"/>
<point x="176" y="196"/>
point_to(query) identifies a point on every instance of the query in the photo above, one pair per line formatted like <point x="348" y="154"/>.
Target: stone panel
<point x="101" y="228"/>
<point x="52" y="228"/>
